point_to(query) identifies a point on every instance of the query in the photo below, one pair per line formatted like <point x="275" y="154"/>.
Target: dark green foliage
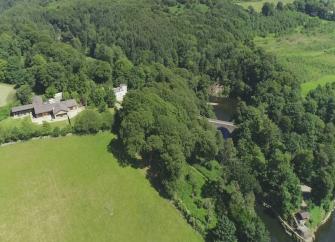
<point x="88" y="122"/>
<point x="107" y="120"/>
<point x="84" y="48"/>
<point x="224" y="231"/>
<point x="28" y="130"/>
<point x="24" y="94"/>
<point x="165" y="131"/>
<point x="322" y="9"/>
<point x="268" y="9"/>
<point x="100" y="72"/>
<point x="280" y="6"/>
<point x="240" y="210"/>
<point x="56" y="132"/>
<point x="110" y="97"/>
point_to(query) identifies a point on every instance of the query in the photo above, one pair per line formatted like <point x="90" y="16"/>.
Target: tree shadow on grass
<point x="156" y="184"/>
<point x="117" y="149"/>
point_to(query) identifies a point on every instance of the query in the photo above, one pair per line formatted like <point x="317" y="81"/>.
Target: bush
<point x="46" y="129"/>
<point x="107" y="119"/>
<point x="56" y="132"/>
<point x="66" y="130"/>
<point x="88" y="122"/>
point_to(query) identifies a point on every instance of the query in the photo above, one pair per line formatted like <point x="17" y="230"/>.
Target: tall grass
<point x="310" y="55"/>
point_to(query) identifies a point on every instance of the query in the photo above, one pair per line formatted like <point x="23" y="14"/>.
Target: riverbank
<point x="324" y="232"/>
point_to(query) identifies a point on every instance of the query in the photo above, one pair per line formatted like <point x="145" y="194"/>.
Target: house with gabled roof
<point x="47" y="111"/>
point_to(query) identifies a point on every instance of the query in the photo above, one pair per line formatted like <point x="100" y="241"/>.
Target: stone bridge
<point x="223" y="124"/>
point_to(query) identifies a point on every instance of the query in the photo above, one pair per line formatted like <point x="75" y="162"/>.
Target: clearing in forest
<point x="74" y="189"/>
<point x="7" y="94"/>
<point x="257" y="5"/>
<point x="309" y="55"/>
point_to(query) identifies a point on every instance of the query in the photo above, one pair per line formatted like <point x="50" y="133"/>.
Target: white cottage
<point x="120" y="92"/>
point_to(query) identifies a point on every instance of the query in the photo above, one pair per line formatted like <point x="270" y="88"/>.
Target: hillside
<point x="170" y="53"/>
<point x="308" y="53"/>
<point x="73" y="189"/>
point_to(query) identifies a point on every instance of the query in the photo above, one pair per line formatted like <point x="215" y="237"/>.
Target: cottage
<point x="46" y="110"/>
<point x="120" y="92"/>
<point x="302" y="215"/>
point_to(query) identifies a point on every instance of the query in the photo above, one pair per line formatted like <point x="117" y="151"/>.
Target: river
<point x="326" y="233"/>
<point x="224" y="110"/>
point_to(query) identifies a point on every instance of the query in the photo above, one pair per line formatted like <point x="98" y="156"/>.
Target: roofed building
<point x="39" y="109"/>
<point x="120" y="92"/>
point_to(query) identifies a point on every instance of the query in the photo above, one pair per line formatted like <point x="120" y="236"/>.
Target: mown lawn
<point x="73" y="189"/>
<point x="310" y="56"/>
<point x="7" y="94"/>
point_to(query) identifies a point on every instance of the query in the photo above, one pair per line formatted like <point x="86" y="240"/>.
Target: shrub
<point x="107" y="119"/>
<point x="88" y="122"/>
<point x="66" y="130"/>
<point x="56" y="132"/>
<point x="46" y="129"/>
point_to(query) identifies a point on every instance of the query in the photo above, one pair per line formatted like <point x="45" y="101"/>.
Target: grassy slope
<point x="310" y="56"/>
<point x="7" y="94"/>
<point x="257" y="5"/>
<point x="73" y="189"/>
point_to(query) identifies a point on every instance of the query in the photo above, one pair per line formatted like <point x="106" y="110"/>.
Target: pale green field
<point x="311" y="85"/>
<point x="311" y="57"/>
<point x="11" y="123"/>
<point x="317" y="214"/>
<point x="257" y="5"/>
<point x="73" y="189"/>
<point x="7" y="94"/>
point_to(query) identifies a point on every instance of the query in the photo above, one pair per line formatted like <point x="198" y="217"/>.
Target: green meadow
<point x="309" y="55"/>
<point x="257" y="5"/>
<point x="7" y="94"/>
<point x="74" y="189"/>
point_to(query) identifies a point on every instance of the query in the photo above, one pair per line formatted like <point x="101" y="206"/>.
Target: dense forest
<point x="169" y="53"/>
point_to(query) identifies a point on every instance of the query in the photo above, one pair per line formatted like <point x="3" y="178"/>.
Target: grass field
<point x="73" y="189"/>
<point x="310" y="56"/>
<point x="317" y="214"/>
<point x="308" y="86"/>
<point x="7" y="94"/>
<point x="257" y="5"/>
<point x="11" y="123"/>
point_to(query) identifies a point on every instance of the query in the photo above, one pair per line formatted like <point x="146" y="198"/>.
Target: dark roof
<point x="43" y="108"/>
<point x="46" y="107"/>
<point x="55" y="107"/>
<point x="22" y="108"/>
<point x="69" y="103"/>
<point x="60" y="107"/>
<point x="303" y="215"/>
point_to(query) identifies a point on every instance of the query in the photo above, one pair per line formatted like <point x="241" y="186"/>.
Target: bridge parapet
<point x="230" y="126"/>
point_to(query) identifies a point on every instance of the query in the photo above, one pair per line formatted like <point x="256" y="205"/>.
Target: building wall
<point x="21" y="114"/>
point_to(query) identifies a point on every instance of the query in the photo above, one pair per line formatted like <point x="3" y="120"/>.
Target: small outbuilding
<point x="305" y="189"/>
<point x="120" y="92"/>
<point x="303" y="215"/>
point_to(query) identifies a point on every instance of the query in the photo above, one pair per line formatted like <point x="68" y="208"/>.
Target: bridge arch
<point x="226" y="128"/>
